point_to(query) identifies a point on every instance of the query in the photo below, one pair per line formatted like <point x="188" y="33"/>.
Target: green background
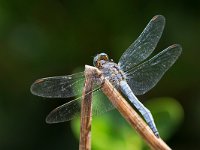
<point x="41" y="38"/>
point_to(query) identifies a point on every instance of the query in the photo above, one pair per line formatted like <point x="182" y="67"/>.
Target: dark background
<point x="41" y="38"/>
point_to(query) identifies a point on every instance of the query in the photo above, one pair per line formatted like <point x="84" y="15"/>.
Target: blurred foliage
<point x="45" y="38"/>
<point x="112" y="132"/>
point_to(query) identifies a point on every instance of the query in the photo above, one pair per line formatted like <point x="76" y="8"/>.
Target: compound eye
<point x="95" y="60"/>
<point x="104" y="57"/>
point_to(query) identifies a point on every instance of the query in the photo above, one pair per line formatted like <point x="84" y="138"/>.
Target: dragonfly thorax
<point x="110" y="70"/>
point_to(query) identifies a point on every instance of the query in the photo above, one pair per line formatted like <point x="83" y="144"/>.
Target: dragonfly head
<point x="99" y="59"/>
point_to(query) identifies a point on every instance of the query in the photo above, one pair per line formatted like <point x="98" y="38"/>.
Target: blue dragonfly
<point x="133" y="75"/>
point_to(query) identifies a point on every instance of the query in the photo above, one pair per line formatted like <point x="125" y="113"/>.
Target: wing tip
<point x="158" y="17"/>
<point x="52" y="118"/>
<point x="37" y="89"/>
<point x="34" y="84"/>
<point x="178" y="47"/>
<point x="49" y="119"/>
<point x="32" y="88"/>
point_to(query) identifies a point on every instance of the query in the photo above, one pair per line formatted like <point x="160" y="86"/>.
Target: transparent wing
<point x="72" y="109"/>
<point x="59" y="86"/>
<point x="144" y="45"/>
<point x="146" y="75"/>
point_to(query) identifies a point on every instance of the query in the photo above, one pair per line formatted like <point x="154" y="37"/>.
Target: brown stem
<point x="86" y="111"/>
<point x="131" y="115"/>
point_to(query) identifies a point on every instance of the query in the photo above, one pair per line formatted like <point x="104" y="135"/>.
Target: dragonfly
<point x="134" y="74"/>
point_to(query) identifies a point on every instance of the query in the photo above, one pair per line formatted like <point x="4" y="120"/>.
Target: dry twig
<point x="123" y="107"/>
<point x="86" y="111"/>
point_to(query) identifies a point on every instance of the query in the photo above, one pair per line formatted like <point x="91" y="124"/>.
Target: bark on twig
<point x="86" y="111"/>
<point x="130" y="114"/>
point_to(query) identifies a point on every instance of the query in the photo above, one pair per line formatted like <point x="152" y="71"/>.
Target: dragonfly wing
<point x="101" y="104"/>
<point x="146" y="75"/>
<point x="72" y="109"/>
<point x="59" y="86"/>
<point x="65" y="112"/>
<point x="144" y="45"/>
